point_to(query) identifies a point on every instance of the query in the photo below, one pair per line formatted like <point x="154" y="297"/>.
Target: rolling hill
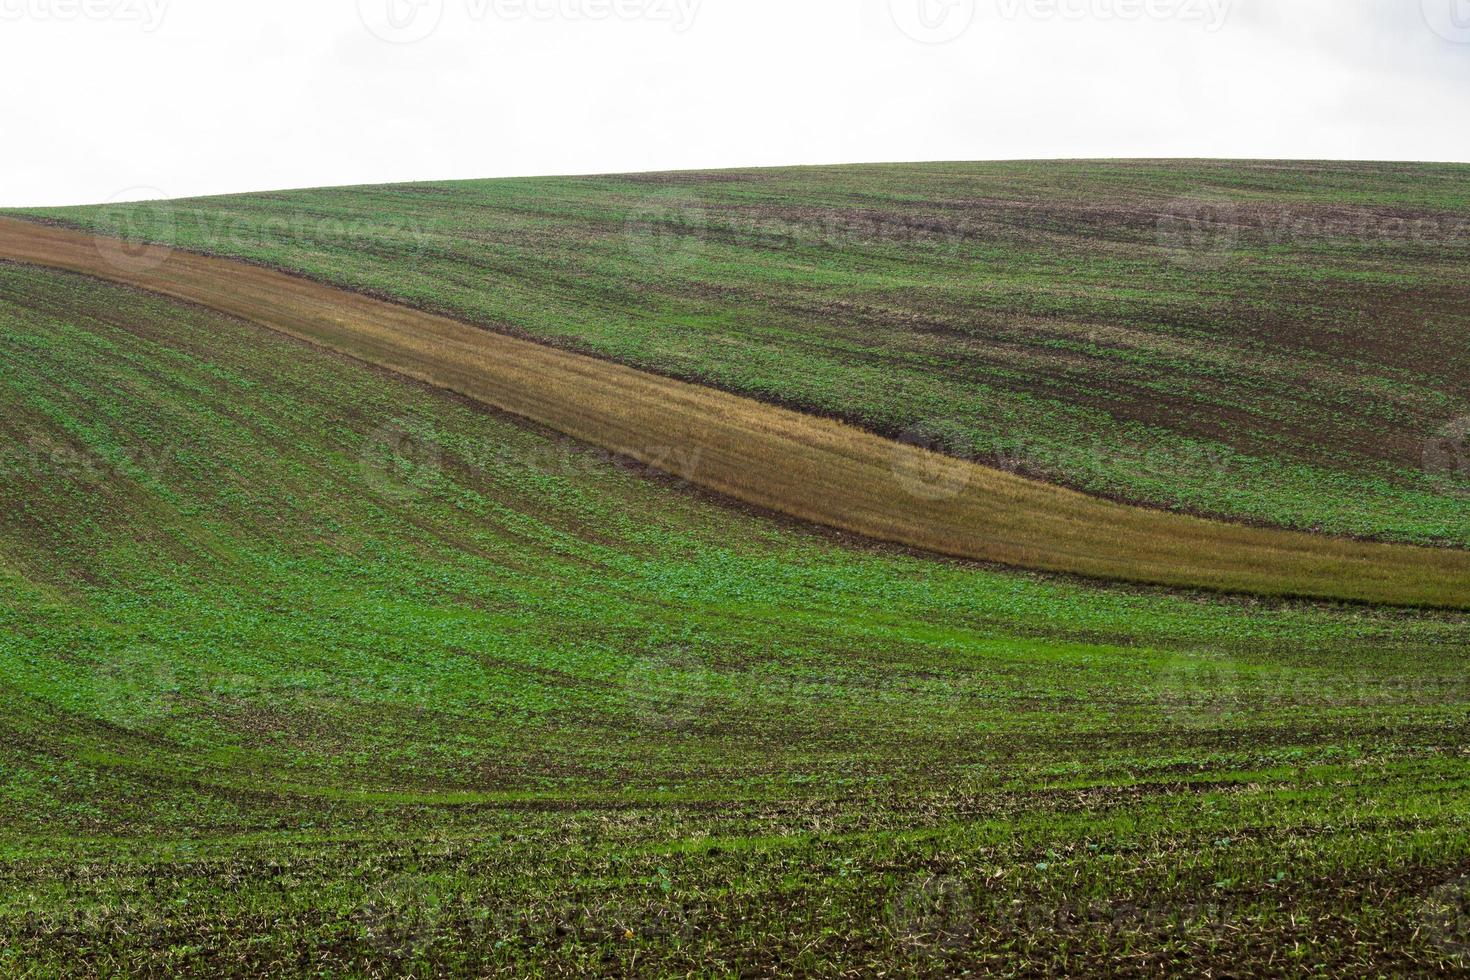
<point x="780" y="460"/>
<point x="1277" y="342"/>
<point x="311" y="666"/>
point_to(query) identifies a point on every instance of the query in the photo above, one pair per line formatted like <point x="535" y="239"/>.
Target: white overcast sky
<point x="106" y="99"/>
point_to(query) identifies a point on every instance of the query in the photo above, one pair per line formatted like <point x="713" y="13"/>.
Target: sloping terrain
<point x="798" y="465"/>
<point x="309" y="668"/>
<point x="1278" y="342"/>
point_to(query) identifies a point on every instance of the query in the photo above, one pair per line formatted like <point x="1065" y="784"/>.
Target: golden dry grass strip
<point x="810" y="468"/>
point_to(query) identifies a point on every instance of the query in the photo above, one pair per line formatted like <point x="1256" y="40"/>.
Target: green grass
<point x="311" y="670"/>
<point x="1278" y="342"/>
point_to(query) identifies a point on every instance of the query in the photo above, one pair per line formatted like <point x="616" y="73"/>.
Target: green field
<point x="1275" y="342"/>
<point x="310" y="670"/>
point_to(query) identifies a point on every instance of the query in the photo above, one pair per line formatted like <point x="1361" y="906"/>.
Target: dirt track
<point x="809" y="468"/>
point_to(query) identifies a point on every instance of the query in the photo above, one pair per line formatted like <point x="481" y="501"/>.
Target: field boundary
<point x="805" y="466"/>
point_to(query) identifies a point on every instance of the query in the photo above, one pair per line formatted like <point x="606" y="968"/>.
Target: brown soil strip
<point x="811" y="468"/>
